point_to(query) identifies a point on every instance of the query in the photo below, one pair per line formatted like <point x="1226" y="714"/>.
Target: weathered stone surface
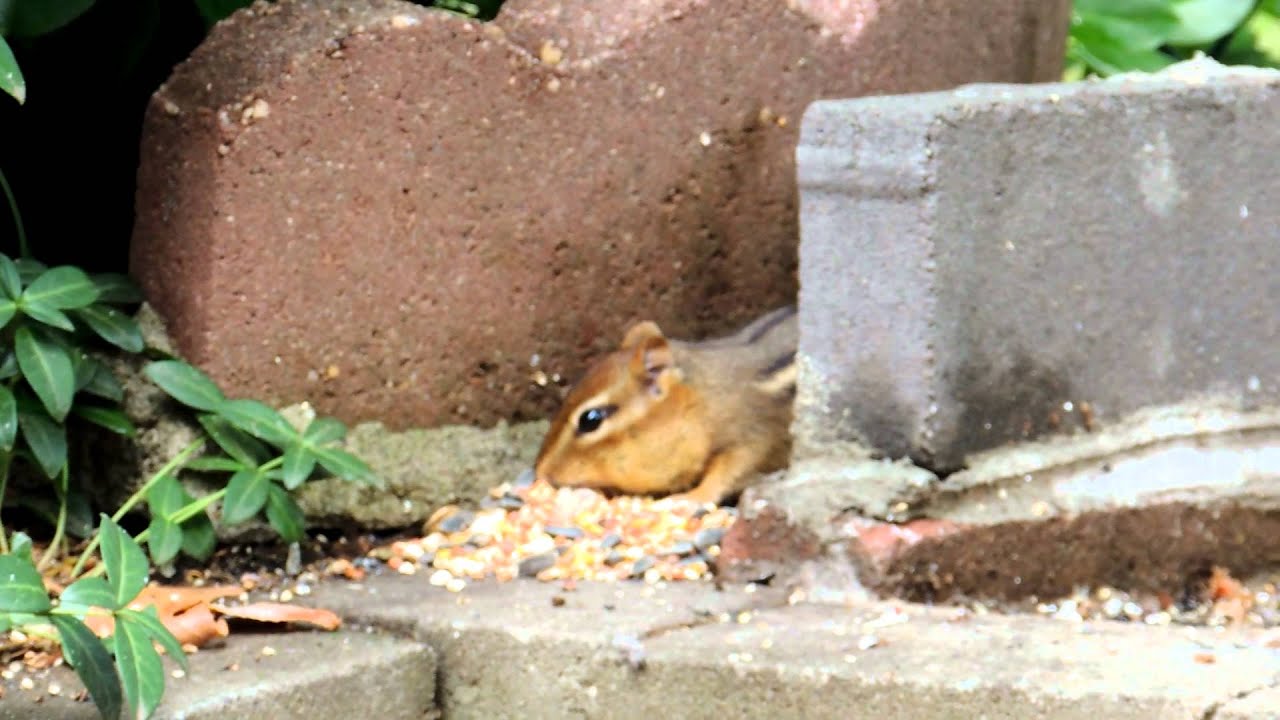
<point x="310" y="675"/>
<point x="391" y="211"/>
<point x="697" y="653"/>
<point x="1034" y="520"/>
<point x="998" y="263"/>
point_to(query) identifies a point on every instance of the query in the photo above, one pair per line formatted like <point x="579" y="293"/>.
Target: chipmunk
<point x="660" y="416"/>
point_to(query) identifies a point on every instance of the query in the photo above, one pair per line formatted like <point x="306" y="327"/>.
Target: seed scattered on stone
<point x="268" y="651"/>
<point x="27" y="683"/>
<point x="571" y="533"/>
<point x="54" y="689"/>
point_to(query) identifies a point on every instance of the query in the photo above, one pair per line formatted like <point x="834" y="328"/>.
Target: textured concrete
<point x="994" y="263"/>
<point x="507" y="651"/>
<point x="405" y="216"/>
<point x="308" y="675"/>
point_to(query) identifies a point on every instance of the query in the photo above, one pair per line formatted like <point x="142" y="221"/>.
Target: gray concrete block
<point x="507" y="651"/>
<point x="1001" y="262"/>
<point x="305" y="675"/>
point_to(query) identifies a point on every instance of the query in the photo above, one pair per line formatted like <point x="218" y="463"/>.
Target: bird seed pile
<point x="567" y="534"/>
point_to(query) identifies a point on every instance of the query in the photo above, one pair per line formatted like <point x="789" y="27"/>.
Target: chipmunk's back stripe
<point x="778" y="316"/>
<point x="779" y="376"/>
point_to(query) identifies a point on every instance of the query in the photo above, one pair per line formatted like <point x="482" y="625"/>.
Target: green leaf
<point x="298" y="465"/>
<point x="109" y="418"/>
<point x="215" y="464"/>
<point x="1201" y="22"/>
<point x="79" y="513"/>
<point x="347" y="466"/>
<point x="11" y="80"/>
<point x="113" y="326"/>
<point x="8" y="419"/>
<point x="21" y="588"/>
<point x="62" y="288"/>
<point x="324" y="430"/>
<point x="284" y="514"/>
<point x="46" y="439"/>
<point x="88" y="592"/>
<point x="199" y="539"/>
<point x="88" y="655"/>
<point x="10" y="280"/>
<point x="20" y="546"/>
<point x="149" y="620"/>
<point x="214" y="10"/>
<point x="126" y="564"/>
<point x="1107" y="56"/>
<point x="141" y="671"/>
<point x="48" y="371"/>
<point x="47" y="314"/>
<point x="239" y="445"/>
<point x="1257" y="42"/>
<point x="185" y="384"/>
<point x="29" y="269"/>
<point x="103" y="382"/>
<point x="164" y="541"/>
<point x="8" y="309"/>
<point x="246" y="494"/>
<point x="165" y="498"/>
<point x="258" y="420"/>
<point x="116" y="289"/>
<point x="32" y="19"/>
<point x="1134" y="24"/>
<point x="8" y="365"/>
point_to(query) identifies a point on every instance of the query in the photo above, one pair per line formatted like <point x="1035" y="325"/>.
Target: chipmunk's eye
<point x="589" y="421"/>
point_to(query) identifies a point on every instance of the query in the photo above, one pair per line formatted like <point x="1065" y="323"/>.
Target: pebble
<point x="457" y="522"/>
<point x="680" y="549"/>
<point x="531" y="566"/>
<point x="707" y="537"/>
<point x="643" y="565"/>
<point x="610" y="540"/>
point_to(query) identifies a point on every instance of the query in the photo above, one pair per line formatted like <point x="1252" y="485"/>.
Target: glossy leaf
<point x="214" y="10"/>
<point x="8" y="365"/>
<point x="29" y="269"/>
<point x="8" y="309"/>
<point x="258" y="420"/>
<point x="199" y="539"/>
<point x="324" y="430"/>
<point x="185" y="384"/>
<point x="11" y="80"/>
<point x="63" y="288"/>
<point x="109" y="418"/>
<point x="116" y="288"/>
<point x="246" y="494"/>
<point x="1138" y="24"/>
<point x="150" y="622"/>
<point x="33" y="19"/>
<point x="1257" y="42"/>
<point x="164" y="540"/>
<point x="298" y="465"/>
<point x="103" y="382"/>
<point x="46" y="439"/>
<point x="167" y="496"/>
<point x="347" y="466"/>
<point x="21" y="587"/>
<point x="88" y="592"/>
<point x="8" y="419"/>
<point x="113" y="326"/>
<point x="47" y="314"/>
<point x="20" y="546"/>
<point x="10" y="280"/>
<point x="1201" y="22"/>
<point x="1107" y="56"/>
<point x="141" y="672"/>
<point x="93" y="664"/>
<point x="239" y="445"/>
<point x="284" y="514"/>
<point x="48" y="371"/>
<point x="126" y="564"/>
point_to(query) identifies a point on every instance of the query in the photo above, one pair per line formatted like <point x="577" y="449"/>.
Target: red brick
<point x="389" y="210"/>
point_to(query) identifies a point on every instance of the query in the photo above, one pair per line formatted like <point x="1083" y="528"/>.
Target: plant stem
<point x="23" y="250"/>
<point x="197" y="506"/>
<point x="169" y="468"/>
<point x="5" y="459"/>
<point x="59" y="529"/>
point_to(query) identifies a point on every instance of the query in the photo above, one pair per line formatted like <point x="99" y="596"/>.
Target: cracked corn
<point x="565" y="534"/>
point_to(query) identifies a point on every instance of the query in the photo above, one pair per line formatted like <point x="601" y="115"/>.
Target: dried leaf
<point x="197" y="626"/>
<point x="281" y="613"/>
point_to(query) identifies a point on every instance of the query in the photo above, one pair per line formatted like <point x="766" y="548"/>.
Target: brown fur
<point x="702" y="418"/>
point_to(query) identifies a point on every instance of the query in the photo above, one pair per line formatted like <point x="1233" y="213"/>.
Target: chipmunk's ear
<point x="651" y="358"/>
